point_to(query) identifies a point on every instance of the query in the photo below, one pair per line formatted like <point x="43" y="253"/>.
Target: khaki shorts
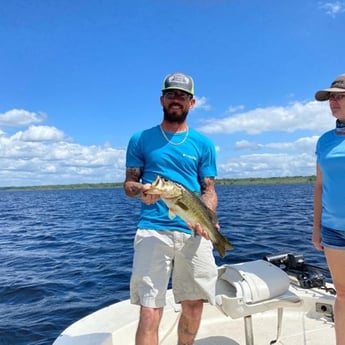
<point x="159" y="254"/>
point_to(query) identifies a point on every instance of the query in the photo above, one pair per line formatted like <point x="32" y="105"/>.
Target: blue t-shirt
<point x="187" y="163"/>
<point x="330" y="150"/>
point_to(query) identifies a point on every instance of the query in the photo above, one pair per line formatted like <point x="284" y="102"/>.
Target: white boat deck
<point x="302" y="325"/>
<point x="255" y="294"/>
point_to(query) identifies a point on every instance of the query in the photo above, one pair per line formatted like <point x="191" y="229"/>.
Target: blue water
<point x="67" y="253"/>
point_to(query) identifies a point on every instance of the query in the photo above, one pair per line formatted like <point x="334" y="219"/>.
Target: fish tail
<point x="221" y="249"/>
<point x="223" y="245"/>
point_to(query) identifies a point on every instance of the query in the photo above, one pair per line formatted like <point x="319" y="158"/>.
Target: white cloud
<point x="333" y="8"/>
<point x="300" y="124"/>
<point x="303" y="144"/>
<point x="234" y="109"/>
<point x="20" y="117"/>
<point x="297" y="116"/>
<point x="201" y="103"/>
<point x="295" y="158"/>
<point x="45" y="162"/>
<point x="268" y="165"/>
<point x="41" y="155"/>
<point x="247" y="145"/>
<point x="40" y="133"/>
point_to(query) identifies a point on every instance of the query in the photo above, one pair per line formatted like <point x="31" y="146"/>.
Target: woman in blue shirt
<point x="329" y="198"/>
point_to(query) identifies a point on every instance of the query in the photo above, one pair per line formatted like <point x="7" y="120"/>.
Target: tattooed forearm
<point x="132" y="185"/>
<point x="208" y="193"/>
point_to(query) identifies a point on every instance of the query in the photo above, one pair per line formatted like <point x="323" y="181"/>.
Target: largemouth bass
<point x="180" y="201"/>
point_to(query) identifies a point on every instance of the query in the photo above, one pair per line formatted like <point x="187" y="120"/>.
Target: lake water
<point x="67" y="253"/>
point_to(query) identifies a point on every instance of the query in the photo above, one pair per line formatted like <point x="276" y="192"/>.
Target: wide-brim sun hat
<point x="179" y="81"/>
<point x="338" y="85"/>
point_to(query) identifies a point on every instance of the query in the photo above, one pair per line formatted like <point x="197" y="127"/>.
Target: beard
<point x="174" y="116"/>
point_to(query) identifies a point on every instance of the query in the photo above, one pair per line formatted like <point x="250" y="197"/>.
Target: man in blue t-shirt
<point x="164" y="247"/>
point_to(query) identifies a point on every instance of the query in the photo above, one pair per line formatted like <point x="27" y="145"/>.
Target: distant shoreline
<point x="225" y="181"/>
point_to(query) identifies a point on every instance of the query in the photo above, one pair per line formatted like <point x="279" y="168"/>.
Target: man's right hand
<point x="148" y="199"/>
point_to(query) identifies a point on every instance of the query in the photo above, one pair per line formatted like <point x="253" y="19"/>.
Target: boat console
<point x="257" y="286"/>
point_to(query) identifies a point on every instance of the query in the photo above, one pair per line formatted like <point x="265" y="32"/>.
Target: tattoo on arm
<point x="132" y="184"/>
<point x="208" y="193"/>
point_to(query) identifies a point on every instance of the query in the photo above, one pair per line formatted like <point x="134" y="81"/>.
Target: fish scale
<point x="182" y="202"/>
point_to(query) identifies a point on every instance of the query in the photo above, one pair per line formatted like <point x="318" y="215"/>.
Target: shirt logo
<point x="189" y="156"/>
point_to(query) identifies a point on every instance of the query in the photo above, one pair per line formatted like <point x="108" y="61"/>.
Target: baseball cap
<point x="338" y="85"/>
<point x="179" y="81"/>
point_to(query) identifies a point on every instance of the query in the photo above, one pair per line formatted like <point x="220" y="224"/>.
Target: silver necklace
<point x="171" y="142"/>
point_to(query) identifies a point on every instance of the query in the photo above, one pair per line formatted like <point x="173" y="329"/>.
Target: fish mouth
<point x="157" y="182"/>
<point x="156" y="186"/>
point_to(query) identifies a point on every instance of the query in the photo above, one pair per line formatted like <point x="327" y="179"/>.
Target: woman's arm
<point x="317" y="209"/>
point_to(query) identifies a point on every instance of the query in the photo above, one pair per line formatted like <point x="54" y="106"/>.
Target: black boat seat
<point x="254" y="287"/>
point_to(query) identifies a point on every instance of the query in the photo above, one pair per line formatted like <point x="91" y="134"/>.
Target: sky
<point x="79" y="77"/>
